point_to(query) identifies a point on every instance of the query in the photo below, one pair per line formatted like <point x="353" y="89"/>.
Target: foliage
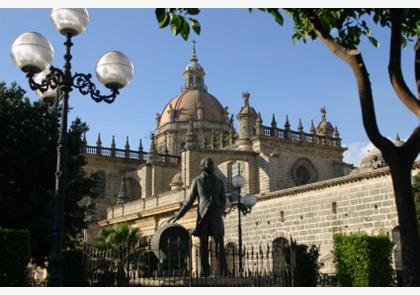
<point x="15" y="252"/>
<point x="416" y="189"/>
<point x="179" y="20"/>
<point x="363" y="260"/>
<point x="119" y="235"/>
<point x="348" y="26"/>
<point x="307" y="265"/>
<point x="28" y="137"/>
<point x="74" y="273"/>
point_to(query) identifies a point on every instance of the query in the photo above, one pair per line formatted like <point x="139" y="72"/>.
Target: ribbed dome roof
<point x="187" y="104"/>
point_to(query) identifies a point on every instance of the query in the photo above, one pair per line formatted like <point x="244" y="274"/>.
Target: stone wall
<point x="310" y="214"/>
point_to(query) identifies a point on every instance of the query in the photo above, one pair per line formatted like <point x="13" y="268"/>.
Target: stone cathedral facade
<point x="303" y="188"/>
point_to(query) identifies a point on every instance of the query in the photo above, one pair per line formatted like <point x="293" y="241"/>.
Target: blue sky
<point x="240" y="51"/>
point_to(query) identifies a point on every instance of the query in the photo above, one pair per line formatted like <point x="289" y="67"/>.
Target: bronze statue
<point x="211" y="203"/>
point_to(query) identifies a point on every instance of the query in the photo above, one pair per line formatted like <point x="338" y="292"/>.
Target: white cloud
<point x="356" y="151"/>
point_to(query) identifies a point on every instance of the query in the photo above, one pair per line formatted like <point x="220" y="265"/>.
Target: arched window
<point x="281" y="252"/>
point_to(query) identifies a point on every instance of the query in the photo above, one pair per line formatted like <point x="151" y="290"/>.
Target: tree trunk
<point x="400" y="166"/>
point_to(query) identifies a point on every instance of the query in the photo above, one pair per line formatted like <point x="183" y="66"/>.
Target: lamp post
<point x="238" y="181"/>
<point x="33" y="54"/>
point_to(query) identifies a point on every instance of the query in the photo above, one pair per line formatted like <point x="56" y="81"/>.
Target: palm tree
<point x="124" y="246"/>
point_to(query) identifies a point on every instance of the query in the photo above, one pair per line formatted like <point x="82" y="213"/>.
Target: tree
<point x="120" y="235"/>
<point x="341" y="31"/>
<point x="28" y="139"/>
<point x="416" y="190"/>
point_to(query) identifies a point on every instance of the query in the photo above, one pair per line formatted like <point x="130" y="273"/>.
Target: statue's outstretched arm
<point x="192" y="195"/>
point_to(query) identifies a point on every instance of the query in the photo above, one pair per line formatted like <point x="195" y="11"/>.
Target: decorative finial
<point x="191" y="141"/>
<point x="300" y="126"/>
<point x="140" y="146"/>
<point x="127" y="145"/>
<point x="99" y="141"/>
<point x="123" y="193"/>
<point x="245" y="96"/>
<point x="312" y="127"/>
<point x="287" y="123"/>
<point x="336" y="134"/>
<point x="84" y="141"/>
<point x="323" y="114"/>
<point x="194" y="53"/>
<point x="152" y="150"/>
<point x="113" y="142"/>
<point x="273" y="121"/>
<point x="397" y="138"/>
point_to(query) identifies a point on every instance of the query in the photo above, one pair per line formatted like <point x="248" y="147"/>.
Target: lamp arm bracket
<point x="86" y="86"/>
<point x="53" y="80"/>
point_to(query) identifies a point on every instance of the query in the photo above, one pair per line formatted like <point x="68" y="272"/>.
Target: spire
<point x="140" y="146"/>
<point x="153" y="155"/>
<point x="300" y="126"/>
<point x="312" y="127"/>
<point x="287" y="124"/>
<point x="123" y="193"/>
<point x="336" y="134"/>
<point x="113" y="146"/>
<point x="127" y="145"/>
<point x="99" y="141"/>
<point x="273" y="121"/>
<point x="191" y="142"/>
<point x="397" y="138"/>
<point x="194" y="53"/>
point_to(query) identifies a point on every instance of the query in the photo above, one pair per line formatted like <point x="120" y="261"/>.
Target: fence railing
<point x="128" y="154"/>
<point x="299" y="137"/>
<point x="140" y="267"/>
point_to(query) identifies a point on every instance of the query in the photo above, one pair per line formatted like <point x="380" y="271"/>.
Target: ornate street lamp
<point x="33" y="54"/>
<point x="244" y="206"/>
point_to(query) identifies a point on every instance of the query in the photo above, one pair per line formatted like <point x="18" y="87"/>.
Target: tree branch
<point x="412" y="144"/>
<point x="394" y="67"/>
<point x="353" y="58"/>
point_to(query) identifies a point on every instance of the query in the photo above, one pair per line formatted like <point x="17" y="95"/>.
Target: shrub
<point x="307" y="265"/>
<point x="363" y="260"/>
<point x="15" y="252"/>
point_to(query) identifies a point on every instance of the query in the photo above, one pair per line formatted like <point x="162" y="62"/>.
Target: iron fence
<point x="139" y="266"/>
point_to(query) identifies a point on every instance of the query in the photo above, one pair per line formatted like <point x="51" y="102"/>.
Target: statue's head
<point x="207" y="165"/>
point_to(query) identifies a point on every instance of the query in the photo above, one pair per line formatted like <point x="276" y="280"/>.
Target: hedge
<point x="15" y="252"/>
<point x="363" y="260"/>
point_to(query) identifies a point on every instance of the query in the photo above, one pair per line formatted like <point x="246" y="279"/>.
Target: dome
<point x="176" y="181"/>
<point x="372" y="160"/>
<point x="194" y="66"/>
<point x="185" y="108"/>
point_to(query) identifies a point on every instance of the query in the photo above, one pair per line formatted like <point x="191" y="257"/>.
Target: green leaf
<point x="193" y="11"/>
<point x="373" y="41"/>
<point x="185" y="30"/>
<point x="165" y="21"/>
<point x="160" y="14"/>
<point x="195" y="25"/>
<point x="176" y="23"/>
<point x="277" y="16"/>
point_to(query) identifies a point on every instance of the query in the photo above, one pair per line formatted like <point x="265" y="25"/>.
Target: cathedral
<point x="302" y="186"/>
